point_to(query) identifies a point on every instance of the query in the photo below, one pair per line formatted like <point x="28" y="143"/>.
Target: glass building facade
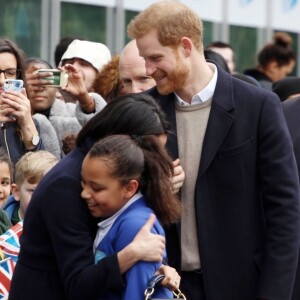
<point x="37" y="25"/>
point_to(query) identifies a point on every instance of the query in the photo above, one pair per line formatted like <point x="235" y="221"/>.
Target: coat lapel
<point x="167" y="103"/>
<point x="220" y="120"/>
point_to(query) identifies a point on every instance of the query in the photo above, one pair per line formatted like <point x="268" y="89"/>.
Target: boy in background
<point x="29" y="171"/>
<point x="6" y="176"/>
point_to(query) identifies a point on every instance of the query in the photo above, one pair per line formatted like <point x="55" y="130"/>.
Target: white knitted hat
<point x="96" y="54"/>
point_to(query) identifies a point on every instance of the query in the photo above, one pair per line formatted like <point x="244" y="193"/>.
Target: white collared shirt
<point x="104" y="226"/>
<point x="206" y="93"/>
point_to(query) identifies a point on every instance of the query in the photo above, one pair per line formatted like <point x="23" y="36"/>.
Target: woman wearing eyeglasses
<point x="18" y="131"/>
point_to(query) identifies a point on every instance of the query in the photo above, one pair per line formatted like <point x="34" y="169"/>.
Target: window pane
<point x="129" y="14"/>
<point x="85" y="21"/>
<point x="207" y="33"/>
<point x="19" y="25"/>
<point x="244" y="42"/>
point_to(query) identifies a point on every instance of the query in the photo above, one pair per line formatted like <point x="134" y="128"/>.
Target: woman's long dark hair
<point x="128" y="114"/>
<point x="142" y="158"/>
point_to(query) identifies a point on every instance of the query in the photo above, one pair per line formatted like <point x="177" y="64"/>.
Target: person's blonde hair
<point x="171" y="20"/>
<point x="32" y="166"/>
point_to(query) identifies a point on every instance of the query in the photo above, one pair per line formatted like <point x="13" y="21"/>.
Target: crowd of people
<point x="161" y="159"/>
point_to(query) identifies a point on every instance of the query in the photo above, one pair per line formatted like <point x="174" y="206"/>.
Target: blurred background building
<point x="37" y="25"/>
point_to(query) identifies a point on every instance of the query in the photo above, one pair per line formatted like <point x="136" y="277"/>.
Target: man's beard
<point x="176" y="80"/>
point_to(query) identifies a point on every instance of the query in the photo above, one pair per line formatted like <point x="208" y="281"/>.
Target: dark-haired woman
<point x="275" y="61"/>
<point x="56" y="259"/>
<point x="18" y="131"/>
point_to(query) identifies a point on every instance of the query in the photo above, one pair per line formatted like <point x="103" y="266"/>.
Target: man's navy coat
<point x="291" y="110"/>
<point x="246" y="195"/>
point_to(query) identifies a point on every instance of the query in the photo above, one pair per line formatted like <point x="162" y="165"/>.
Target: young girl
<point x="6" y="175"/>
<point x="125" y="179"/>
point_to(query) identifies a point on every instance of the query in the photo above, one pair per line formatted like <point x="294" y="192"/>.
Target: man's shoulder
<point x="252" y="94"/>
<point x="291" y="104"/>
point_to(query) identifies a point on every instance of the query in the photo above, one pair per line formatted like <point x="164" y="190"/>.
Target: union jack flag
<point x="10" y="248"/>
<point x="7" y="267"/>
<point x="9" y="242"/>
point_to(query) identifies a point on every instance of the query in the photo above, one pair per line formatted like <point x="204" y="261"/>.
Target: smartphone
<point x="59" y="77"/>
<point x="15" y="85"/>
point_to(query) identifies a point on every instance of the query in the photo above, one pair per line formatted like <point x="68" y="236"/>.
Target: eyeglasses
<point x="10" y="73"/>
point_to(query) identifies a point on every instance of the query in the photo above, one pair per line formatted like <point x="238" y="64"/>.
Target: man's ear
<point x="15" y="192"/>
<point x="187" y="46"/>
<point x="131" y="188"/>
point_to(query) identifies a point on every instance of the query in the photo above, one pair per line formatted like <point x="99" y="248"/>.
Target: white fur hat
<point x="96" y="54"/>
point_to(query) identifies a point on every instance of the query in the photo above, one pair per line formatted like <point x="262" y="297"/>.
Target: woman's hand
<point x="172" y="278"/>
<point x="149" y="246"/>
<point x="178" y="177"/>
<point x="76" y="87"/>
<point x="36" y="81"/>
<point x="15" y="107"/>
<point x="145" y="246"/>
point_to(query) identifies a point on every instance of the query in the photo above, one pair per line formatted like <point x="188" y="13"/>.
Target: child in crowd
<point x="124" y="180"/>
<point x="6" y="176"/>
<point x="29" y="171"/>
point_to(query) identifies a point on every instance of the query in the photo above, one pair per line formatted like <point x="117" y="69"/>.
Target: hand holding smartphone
<point x="15" y="85"/>
<point x="59" y="77"/>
